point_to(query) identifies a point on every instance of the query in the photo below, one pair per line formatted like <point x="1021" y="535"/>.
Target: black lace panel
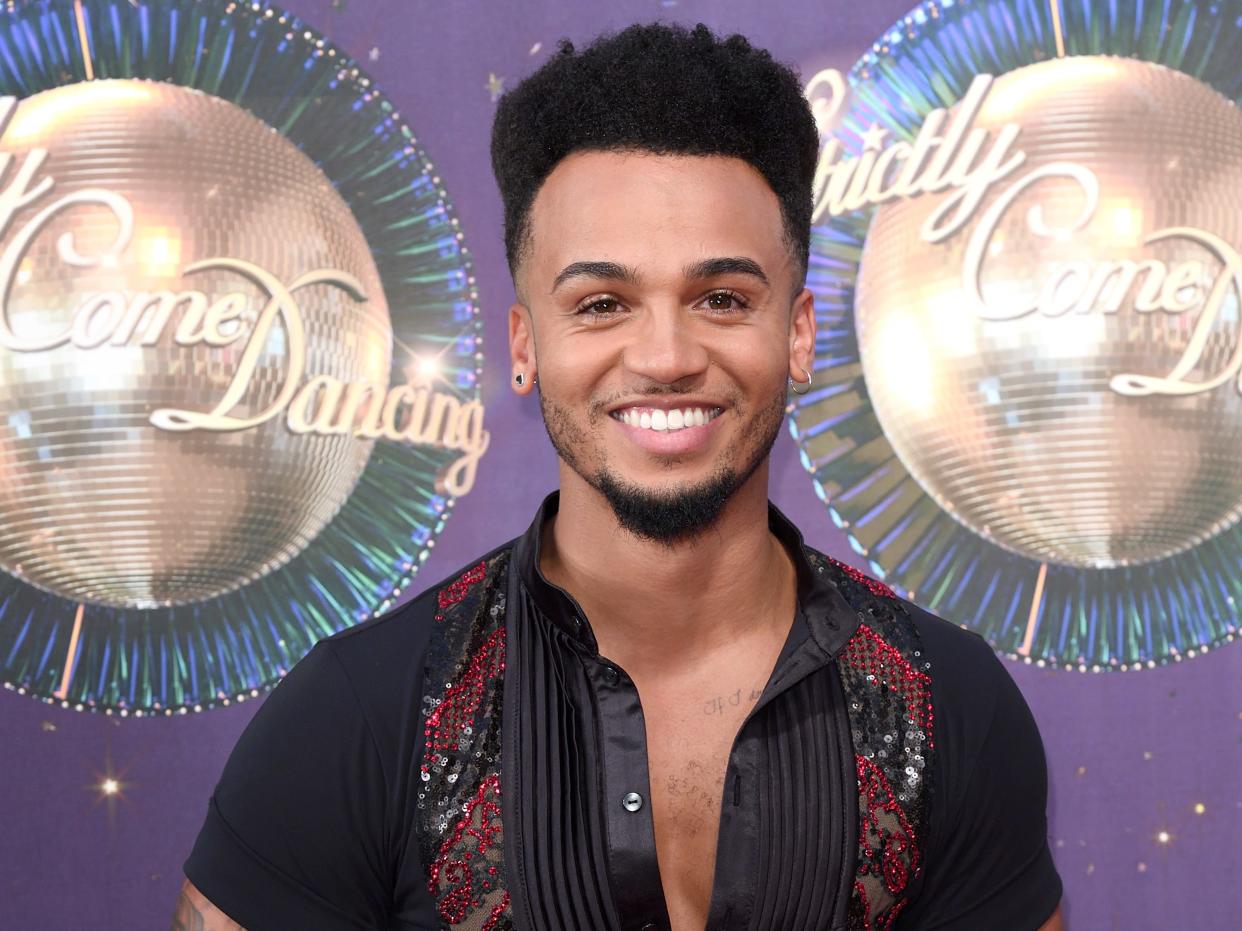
<point x="460" y="828"/>
<point x="888" y="697"/>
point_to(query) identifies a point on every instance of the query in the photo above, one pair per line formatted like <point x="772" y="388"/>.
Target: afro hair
<point x="662" y="89"/>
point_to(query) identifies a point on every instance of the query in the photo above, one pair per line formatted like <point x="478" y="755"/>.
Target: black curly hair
<point x="664" y="89"/>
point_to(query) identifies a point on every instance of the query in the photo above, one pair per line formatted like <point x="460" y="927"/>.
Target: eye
<point x="725" y="302"/>
<point x="598" y="307"/>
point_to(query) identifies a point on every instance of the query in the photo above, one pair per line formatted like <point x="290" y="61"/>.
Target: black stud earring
<point x="519" y="379"/>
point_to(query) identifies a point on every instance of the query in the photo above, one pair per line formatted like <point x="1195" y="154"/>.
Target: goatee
<point x="671" y="515"/>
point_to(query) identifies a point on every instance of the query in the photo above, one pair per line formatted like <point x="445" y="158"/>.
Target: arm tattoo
<point x="195" y="913"/>
<point x="187" y="917"/>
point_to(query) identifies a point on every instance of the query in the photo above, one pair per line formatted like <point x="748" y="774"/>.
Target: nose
<point x="664" y="346"/>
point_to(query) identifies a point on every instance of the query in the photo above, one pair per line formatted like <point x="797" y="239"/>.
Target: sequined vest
<point x="460" y="831"/>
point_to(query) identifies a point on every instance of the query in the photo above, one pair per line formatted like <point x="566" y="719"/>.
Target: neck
<point x="659" y="609"/>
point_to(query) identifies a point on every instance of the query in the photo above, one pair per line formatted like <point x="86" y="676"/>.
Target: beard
<point x="672" y="514"/>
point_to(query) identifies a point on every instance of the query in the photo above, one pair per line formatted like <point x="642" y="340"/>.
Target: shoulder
<point x="366" y="677"/>
<point x="976" y="719"/>
<point x="965" y="675"/>
<point x="960" y="659"/>
<point x="393" y="645"/>
<point x="374" y="673"/>
<point x="972" y="693"/>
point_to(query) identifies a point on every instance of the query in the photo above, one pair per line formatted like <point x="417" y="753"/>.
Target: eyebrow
<point x="708" y="268"/>
<point x="729" y="265"/>
<point x="610" y="271"/>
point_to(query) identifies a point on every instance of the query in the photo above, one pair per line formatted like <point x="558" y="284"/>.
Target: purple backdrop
<point x="1131" y="755"/>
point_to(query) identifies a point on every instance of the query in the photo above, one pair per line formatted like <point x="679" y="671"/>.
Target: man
<point x="657" y="709"/>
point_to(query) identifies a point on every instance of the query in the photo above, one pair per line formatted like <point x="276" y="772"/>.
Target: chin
<point x="671" y="513"/>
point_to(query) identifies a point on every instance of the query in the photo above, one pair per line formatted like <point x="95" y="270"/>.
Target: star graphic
<point x="874" y="137"/>
<point x="495" y="86"/>
<point x="374" y="53"/>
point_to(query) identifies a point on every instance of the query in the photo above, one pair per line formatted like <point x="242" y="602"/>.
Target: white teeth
<point x="664" y="421"/>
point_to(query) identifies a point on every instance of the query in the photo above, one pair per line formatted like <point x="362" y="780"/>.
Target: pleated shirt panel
<point x="803" y="801"/>
<point x="558" y="842"/>
<point x="581" y="847"/>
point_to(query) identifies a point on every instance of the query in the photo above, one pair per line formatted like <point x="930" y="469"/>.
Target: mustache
<point x="597" y="407"/>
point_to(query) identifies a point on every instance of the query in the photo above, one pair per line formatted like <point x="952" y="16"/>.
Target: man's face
<point x="663" y="312"/>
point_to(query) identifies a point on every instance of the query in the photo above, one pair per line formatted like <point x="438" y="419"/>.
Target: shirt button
<point x="632" y="801"/>
<point x="610" y="675"/>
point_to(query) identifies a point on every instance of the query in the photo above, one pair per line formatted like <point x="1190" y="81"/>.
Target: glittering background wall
<point x="1144" y="805"/>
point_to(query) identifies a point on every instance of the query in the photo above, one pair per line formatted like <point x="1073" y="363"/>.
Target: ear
<point x="802" y="336"/>
<point x="522" y="349"/>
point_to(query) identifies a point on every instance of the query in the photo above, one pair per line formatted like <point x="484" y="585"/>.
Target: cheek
<point x="757" y="357"/>
<point x="574" y="367"/>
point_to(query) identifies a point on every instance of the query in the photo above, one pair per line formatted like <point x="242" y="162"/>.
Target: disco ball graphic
<point x="97" y="505"/>
<point x="208" y="155"/>
<point x="1009" y="423"/>
<point x="1044" y="451"/>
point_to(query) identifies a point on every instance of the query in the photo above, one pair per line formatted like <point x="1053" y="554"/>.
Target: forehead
<point x="651" y="211"/>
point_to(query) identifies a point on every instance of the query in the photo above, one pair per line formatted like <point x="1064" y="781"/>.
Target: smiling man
<point x="657" y="708"/>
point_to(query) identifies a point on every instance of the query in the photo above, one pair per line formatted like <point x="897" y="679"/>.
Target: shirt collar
<point x="829" y="617"/>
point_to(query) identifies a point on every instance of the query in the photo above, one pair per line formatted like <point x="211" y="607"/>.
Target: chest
<point x="688" y="752"/>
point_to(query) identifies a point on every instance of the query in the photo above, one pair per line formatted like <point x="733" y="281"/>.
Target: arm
<point x="1054" y="923"/>
<point x="195" y="913"/>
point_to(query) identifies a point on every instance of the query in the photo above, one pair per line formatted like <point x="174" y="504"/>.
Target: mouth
<point x="666" y="420"/>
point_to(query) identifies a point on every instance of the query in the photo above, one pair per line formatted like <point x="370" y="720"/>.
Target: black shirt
<point x="339" y="807"/>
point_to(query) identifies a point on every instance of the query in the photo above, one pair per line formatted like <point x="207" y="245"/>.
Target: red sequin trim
<point x="457" y="590"/>
<point x="885" y="922"/>
<point x="875" y="586"/>
<point x="498" y="912"/>
<point x="868" y="652"/>
<point x="462" y="867"/>
<point x="887" y="846"/>
<point x="461" y="700"/>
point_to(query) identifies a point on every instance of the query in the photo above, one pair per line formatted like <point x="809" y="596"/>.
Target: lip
<point x="683" y="442"/>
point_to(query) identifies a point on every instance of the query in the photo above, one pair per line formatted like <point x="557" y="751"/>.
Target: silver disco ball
<point x="1024" y="428"/>
<point x="98" y="504"/>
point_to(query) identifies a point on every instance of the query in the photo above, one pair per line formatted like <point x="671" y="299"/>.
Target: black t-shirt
<point x="312" y="822"/>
